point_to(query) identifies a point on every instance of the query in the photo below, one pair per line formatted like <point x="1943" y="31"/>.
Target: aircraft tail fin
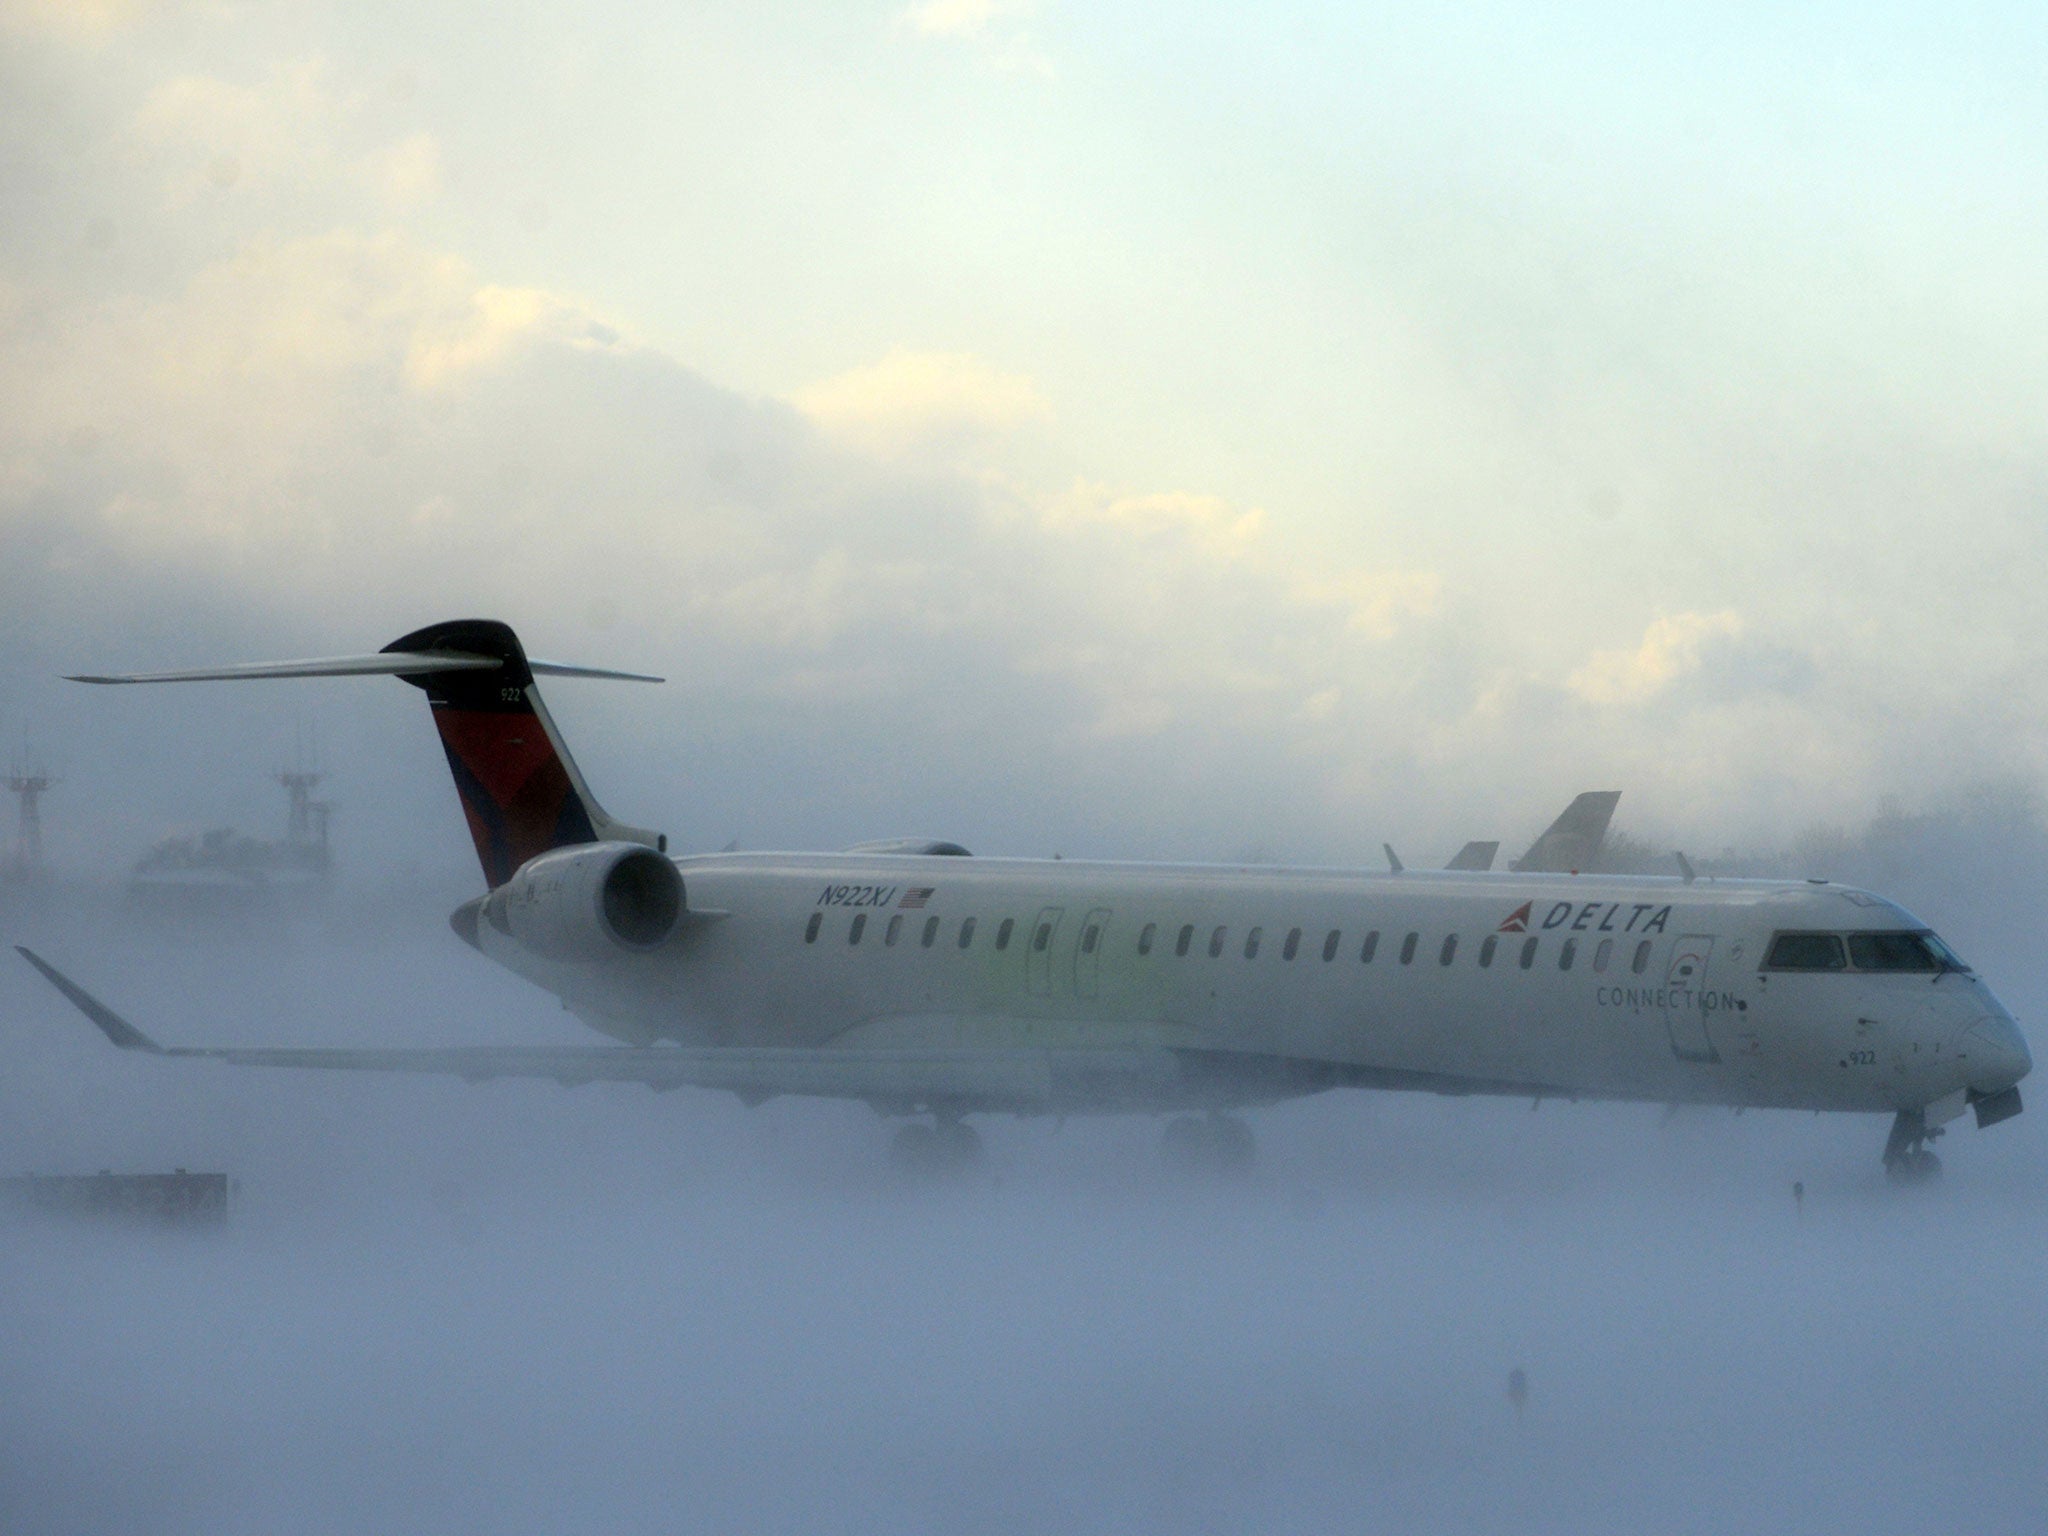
<point x="1573" y="841"/>
<point x="1475" y="856"/>
<point x="522" y="793"/>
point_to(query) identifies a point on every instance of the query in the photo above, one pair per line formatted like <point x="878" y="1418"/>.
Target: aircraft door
<point x="1088" y="952"/>
<point x="1685" y="991"/>
<point x="1045" y="931"/>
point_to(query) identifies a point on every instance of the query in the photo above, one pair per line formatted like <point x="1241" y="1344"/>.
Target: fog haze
<point x="516" y="1306"/>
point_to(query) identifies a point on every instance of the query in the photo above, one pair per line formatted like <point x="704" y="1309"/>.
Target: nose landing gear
<point x="1907" y="1157"/>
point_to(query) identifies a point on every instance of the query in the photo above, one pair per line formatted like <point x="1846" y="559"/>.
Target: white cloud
<point x="1671" y="649"/>
<point x="353" y="433"/>
<point x="1209" y="523"/>
<point x="83" y="20"/>
<point x="357" y="431"/>
<point x="248" y="404"/>
<point x="961" y="18"/>
<point x="999" y="27"/>
<point x="405" y="174"/>
<point x="454" y="341"/>
<point x="208" y="136"/>
<point x="930" y="402"/>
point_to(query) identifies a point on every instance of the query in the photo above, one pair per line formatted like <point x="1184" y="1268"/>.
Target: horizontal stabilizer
<point x="541" y="668"/>
<point x="521" y="792"/>
<point x="382" y="664"/>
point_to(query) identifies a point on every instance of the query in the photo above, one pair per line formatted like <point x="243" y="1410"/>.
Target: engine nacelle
<point x="590" y="902"/>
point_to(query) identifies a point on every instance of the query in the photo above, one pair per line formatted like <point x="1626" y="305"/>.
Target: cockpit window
<point x="1806" y="952"/>
<point x="1891" y="952"/>
<point x="1947" y="956"/>
<point x="1909" y="951"/>
<point x="1901" y="952"/>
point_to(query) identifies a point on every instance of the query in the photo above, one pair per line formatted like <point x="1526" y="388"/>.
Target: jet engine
<point x="590" y="902"/>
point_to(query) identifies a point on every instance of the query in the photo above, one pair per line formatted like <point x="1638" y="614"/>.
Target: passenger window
<point x="1806" y="952"/>
<point x="1528" y="951"/>
<point x="966" y="931"/>
<point x="860" y="924"/>
<point x="1450" y="950"/>
<point x="1369" y="948"/>
<point x="1041" y="938"/>
<point x="1293" y="945"/>
<point x="1408" y="948"/>
<point x="1187" y="937"/>
<point x="1145" y="938"/>
<point x="811" y="928"/>
<point x="1641" y="962"/>
<point x="1088" y="938"/>
<point x="1330" y="944"/>
<point x="1603" y="954"/>
<point x="1487" y="946"/>
<point x="1568" y="954"/>
<point x="1251" y="944"/>
<point x="895" y="930"/>
<point x="931" y="932"/>
<point x="1216" y="942"/>
<point x="1003" y="932"/>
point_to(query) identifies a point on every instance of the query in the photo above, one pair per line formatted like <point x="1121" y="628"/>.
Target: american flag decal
<point x="918" y="897"/>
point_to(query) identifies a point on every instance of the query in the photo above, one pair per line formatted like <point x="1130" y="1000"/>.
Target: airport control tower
<point x="306" y="822"/>
<point x="29" y="786"/>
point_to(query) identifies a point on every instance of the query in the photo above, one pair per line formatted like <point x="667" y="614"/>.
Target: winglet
<point x="1394" y="864"/>
<point x="112" y="1025"/>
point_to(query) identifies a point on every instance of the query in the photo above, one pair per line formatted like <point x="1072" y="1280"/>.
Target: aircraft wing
<point x="1024" y="1080"/>
<point x="993" y="1077"/>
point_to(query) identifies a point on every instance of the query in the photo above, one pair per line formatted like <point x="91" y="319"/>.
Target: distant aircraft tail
<point x="522" y="793"/>
<point x="1573" y="841"/>
<point x="1475" y="857"/>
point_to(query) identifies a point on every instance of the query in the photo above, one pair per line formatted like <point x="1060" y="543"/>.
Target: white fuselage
<point x="1289" y="980"/>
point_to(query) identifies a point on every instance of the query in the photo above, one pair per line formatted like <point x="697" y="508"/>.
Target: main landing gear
<point x="949" y="1145"/>
<point x="1907" y="1157"/>
<point x="1208" y="1145"/>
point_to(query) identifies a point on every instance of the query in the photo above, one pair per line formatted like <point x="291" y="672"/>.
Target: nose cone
<point x="1996" y="1054"/>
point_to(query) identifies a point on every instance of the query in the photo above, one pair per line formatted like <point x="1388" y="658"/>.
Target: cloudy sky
<point x="1122" y="429"/>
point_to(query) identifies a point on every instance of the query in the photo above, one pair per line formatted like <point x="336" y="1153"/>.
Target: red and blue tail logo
<point x="515" y="791"/>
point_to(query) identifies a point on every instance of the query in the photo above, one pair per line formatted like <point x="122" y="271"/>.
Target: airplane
<point x="934" y="985"/>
